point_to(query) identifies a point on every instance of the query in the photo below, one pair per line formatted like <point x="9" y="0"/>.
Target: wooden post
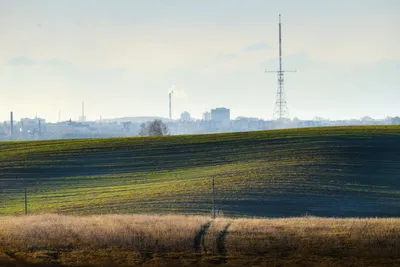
<point x="26" y="203"/>
<point x="213" y="198"/>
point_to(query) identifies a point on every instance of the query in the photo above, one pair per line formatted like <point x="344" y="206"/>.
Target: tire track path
<point x="198" y="245"/>
<point x="221" y="243"/>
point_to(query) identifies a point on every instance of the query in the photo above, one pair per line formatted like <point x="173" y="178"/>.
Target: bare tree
<point x="153" y="128"/>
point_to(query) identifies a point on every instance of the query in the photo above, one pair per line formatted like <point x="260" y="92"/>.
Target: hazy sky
<point x="121" y="57"/>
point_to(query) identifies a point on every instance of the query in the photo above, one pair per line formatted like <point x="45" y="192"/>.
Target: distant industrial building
<point x="216" y="121"/>
<point x="246" y="124"/>
<point x="185" y="116"/>
<point x="35" y="126"/>
<point x="206" y="116"/>
<point x="221" y="115"/>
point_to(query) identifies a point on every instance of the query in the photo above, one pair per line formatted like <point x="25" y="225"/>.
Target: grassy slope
<point x="335" y="171"/>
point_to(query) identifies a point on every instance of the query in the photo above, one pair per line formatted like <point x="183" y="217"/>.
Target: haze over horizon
<point x="121" y="58"/>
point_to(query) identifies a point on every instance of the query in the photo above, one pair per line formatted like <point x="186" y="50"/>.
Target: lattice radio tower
<point x="281" y="110"/>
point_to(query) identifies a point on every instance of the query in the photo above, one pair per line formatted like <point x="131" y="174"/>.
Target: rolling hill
<point x="330" y="171"/>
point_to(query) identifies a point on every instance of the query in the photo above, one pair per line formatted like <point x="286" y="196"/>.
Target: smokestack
<point x="40" y="127"/>
<point x="170" y="106"/>
<point x="83" y="111"/>
<point x="82" y="118"/>
<point x="11" y="123"/>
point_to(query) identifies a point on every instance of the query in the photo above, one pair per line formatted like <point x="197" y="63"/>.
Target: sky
<point x="122" y="57"/>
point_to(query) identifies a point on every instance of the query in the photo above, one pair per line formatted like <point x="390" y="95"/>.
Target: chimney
<point x="40" y="127"/>
<point x="170" y="106"/>
<point x="11" y="123"/>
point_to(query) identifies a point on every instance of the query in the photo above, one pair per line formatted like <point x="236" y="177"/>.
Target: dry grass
<point x="134" y="232"/>
<point x="316" y="236"/>
<point x="122" y="236"/>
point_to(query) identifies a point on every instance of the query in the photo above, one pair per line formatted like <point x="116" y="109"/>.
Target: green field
<point x="331" y="171"/>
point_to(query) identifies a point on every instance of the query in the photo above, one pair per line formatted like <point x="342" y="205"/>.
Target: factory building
<point x="32" y="127"/>
<point x="222" y="115"/>
<point x="185" y="116"/>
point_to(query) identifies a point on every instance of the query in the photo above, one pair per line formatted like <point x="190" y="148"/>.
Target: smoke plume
<point x="177" y="92"/>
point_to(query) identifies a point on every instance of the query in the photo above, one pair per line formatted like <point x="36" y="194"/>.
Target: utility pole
<point x="281" y="109"/>
<point x="26" y="198"/>
<point x="213" y="198"/>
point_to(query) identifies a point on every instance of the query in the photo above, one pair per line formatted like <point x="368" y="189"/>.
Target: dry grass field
<point x="166" y="240"/>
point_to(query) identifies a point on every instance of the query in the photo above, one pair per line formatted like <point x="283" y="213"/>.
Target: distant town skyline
<point x="121" y="58"/>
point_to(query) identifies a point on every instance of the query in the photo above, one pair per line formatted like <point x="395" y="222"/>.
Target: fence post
<point x="26" y="203"/>
<point x="213" y="198"/>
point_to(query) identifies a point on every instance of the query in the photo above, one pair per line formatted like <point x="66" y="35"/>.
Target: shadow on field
<point x="221" y="241"/>
<point x="21" y="263"/>
<point x="199" y="238"/>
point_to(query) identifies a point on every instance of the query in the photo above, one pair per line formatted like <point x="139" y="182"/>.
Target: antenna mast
<point x="281" y="110"/>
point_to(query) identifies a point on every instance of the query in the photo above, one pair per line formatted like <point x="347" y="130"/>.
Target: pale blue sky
<point x="121" y="57"/>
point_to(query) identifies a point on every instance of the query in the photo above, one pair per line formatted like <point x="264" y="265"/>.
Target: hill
<point x="331" y="171"/>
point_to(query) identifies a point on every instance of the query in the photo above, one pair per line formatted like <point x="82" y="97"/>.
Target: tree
<point x="153" y="128"/>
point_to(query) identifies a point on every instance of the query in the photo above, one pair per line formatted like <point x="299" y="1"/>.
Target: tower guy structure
<point x="281" y="110"/>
